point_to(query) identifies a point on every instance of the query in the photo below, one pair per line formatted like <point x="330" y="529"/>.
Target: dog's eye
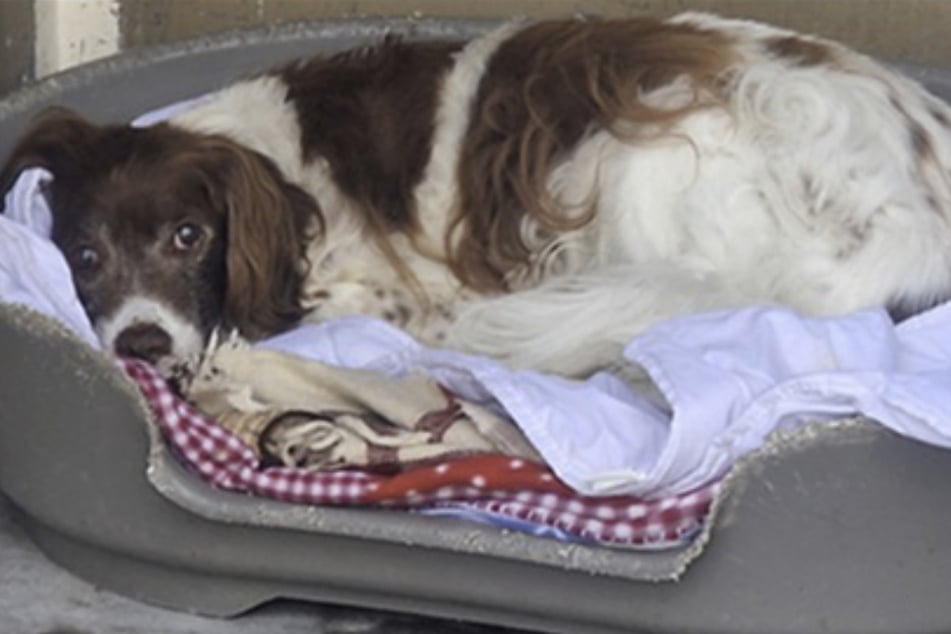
<point x="187" y="236"/>
<point x="87" y="259"/>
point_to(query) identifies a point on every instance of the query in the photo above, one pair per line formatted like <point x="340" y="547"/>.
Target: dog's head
<point x="169" y="233"/>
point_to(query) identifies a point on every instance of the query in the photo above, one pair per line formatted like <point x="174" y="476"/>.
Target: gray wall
<point x="916" y="30"/>
<point x="16" y="43"/>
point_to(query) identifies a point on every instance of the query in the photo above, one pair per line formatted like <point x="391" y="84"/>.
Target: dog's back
<point x="543" y="193"/>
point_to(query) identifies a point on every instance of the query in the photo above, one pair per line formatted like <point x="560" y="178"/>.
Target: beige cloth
<point x="310" y="415"/>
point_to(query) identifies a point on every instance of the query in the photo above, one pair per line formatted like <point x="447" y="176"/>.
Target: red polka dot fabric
<point x="495" y="486"/>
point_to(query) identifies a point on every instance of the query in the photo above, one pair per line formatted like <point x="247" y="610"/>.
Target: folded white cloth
<point x="33" y="272"/>
<point x="729" y="378"/>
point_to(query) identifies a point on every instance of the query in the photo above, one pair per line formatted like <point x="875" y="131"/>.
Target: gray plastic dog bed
<point x="840" y="529"/>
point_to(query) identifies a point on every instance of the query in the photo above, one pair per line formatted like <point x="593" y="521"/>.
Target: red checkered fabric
<point x="494" y="484"/>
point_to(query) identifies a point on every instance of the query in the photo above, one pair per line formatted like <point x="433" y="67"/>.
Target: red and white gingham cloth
<point x="495" y="484"/>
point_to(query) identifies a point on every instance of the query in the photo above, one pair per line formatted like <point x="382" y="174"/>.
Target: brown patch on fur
<point x="544" y="91"/>
<point x="370" y="114"/>
<point x="800" y="51"/>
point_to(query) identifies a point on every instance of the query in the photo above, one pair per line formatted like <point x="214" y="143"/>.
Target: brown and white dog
<point x="539" y="194"/>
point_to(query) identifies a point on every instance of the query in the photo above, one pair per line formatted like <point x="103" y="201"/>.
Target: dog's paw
<point x="218" y="380"/>
<point x="208" y="367"/>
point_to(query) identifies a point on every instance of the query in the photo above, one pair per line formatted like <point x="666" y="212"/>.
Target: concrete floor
<point x="37" y="597"/>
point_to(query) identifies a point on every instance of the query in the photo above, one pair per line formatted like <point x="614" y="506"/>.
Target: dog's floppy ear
<point x="58" y="140"/>
<point x="270" y="223"/>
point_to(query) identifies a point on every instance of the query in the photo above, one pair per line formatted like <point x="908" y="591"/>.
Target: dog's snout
<point x="145" y="341"/>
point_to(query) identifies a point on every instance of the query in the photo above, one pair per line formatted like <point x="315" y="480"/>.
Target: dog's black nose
<point x="143" y="341"/>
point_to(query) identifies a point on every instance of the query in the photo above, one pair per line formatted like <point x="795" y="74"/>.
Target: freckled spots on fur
<point x="857" y="236"/>
<point x="327" y="262"/>
<point x="766" y="206"/>
<point x="799" y="51"/>
<point x="807" y="182"/>
<point x="934" y="205"/>
<point x="940" y="117"/>
<point x="845" y="252"/>
<point x="921" y="141"/>
<point x="810" y="193"/>
<point x="404" y="313"/>
<point x="859" y="233"/>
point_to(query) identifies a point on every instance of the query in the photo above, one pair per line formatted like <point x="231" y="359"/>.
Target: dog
<point x="539" y="194"/>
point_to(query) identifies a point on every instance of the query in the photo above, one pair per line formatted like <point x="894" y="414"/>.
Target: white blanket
<point x="730" y="378"/>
